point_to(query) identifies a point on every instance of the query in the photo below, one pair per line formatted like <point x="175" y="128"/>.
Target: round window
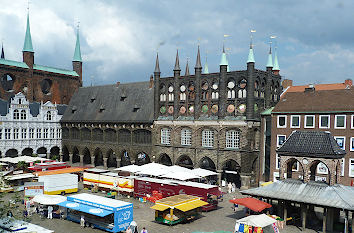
<point x="183" y="88"/>
<point x="170" y="88"/>
<point x="231" y="85"/>
<point x="46" y="85"/>
<point x="215" y="86"/>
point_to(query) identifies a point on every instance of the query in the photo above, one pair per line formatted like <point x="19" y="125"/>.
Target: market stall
<point x="99" y="212"/>
<point x="178" y="208"/>
<point x="251" y="203"/>
<point x="256" y="223"/>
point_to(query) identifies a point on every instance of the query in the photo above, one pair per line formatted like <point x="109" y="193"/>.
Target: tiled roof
<point x="13" y="63"/>
<point x="130" y="102"/>
<point x="311" y="144"/>
<point x="55" y="70"/>
<point x="316" y="102"/>
<point x="319" y="87"/>
<point x="321" y="194"/>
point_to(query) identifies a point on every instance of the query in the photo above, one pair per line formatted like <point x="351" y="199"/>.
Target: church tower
<point x="77" y="60"/>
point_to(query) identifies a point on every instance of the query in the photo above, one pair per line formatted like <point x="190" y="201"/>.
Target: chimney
<point x="311" y="88"/>
<point x="117" y="84"/>
<point x="151" y="81"/>
<point x="348" y="83"/>
<point x="287" y="83"/>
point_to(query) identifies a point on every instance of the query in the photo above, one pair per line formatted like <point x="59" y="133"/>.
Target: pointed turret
<point x="27" y="46"/>
<point x="198" y="64"/>
<point x="250" y="54"/>
<point x="187" y="69"/>
<point x="77" y="53"/>
<point x="177" y="67"/>
<point x="206" y="68"/>
<point x="276" y="68"/>
<point x="157" y="64"/>
<point x="2" y="51"/>
<point x="223" y="61"/>
<point x="270" y="59"/>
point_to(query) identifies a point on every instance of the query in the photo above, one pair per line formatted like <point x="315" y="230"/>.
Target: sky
<point x="119" y="39"/>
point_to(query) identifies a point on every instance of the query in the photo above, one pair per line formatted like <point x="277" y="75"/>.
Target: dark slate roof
<point x="312" y="144"/>
<point x="4" y="108"/>
<point x="105" y="104"/>
<point x="61" y="108"/>
<point x="320" y="194"/>
<point x="34" y="108"/>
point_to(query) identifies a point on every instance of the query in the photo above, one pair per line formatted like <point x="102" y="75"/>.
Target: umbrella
<point x="45" y="199"/>
<point x="251" y="203"/>
<point x="261" y="220"/>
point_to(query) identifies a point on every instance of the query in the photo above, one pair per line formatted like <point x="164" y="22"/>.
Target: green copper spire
<point x="276" y="64"/>
<point x="223" y="61"/>
<point x="27" y="46"/>
<point x="250" y="55"/>
<point x="77" y="53"/>
<point x="270" y="59"/>
<point x="206" y="68"/>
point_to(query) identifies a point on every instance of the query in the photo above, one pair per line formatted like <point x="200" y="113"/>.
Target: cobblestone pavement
<point x="221" y="219"/>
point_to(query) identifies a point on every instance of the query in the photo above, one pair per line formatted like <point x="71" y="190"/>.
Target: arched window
<point x="16" y="114"/>
<point x="208" y="138"/>
<point x="142" y="136"/>
<point x="166" y="136"/>
<point x="23" y="115"/>
<point x="49" y="116"/>
<point x="186" y="137"/>
<point x="233" y="139"/>
<point x="182" y="95"/>
<point x="171" y="96"/>
<point x="215" y="93"/>
<point x="162" y="93"/>
<point x="231" y="90"/>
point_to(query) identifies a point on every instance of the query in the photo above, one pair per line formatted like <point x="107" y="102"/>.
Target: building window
<point x="45" y="133"/>
<point x="310" y="121"/>
<point x="52" y="133"/>
<point x="352" y="144"/>
<point x="215" y="95"/>
<point x="0" y="133"/>
<point x="281" y="121"/>
<point x="31" y="133"/>
<point x="351" y="167"/>
<point x="16" y="133"/>
<point x="16" y="114"/>
<point x="233" y="139"/>
<point x="324" y="122"/>
<point x="352" y="121"/>
<point x="166" y="136"/>
<point x="7" y="133"/>
<point x="207" y="138"/>
<point x="49" y="116"/>
<point x="277" y="161"/>
<point x="142" y="136"/>
<point x="340" y="141"/>
<point x="182" y="97"/>
<point x="280" y="140"/>
<point x="23" y="133"/>
<point x="295" y="121"/>
<point x="39" y="133"/>
<point x="322" y="168"/>
<point x="58" y="133"/>
<point x="23" y="115"/>
<point x="163" y="97"/>
<point x="340" y="121"/>
<point x="186" y="137"/>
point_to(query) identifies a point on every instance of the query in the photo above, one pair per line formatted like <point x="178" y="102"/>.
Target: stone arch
<point x="27" y="151"/>
<point x="87" y="156"/>
<point x="125" y="159"/>
<point x="142" y="158"/>
<point x="185" y="161"/>
<point x="76" y="157"/>
<point x="42" y="150"/>
<point x="11" y="153"/>
<point x="231" y="172"/>
<point x="98" y="157"/>
<point x="65" y="154"/>
<point x="165" y="159"/>
<point x="111" y="158"/>
<point x="7" y="81"/>
<point x="319" y="170"/>
<point x="54" y="152"/>
<point x="292" y="168"/>
<point x="207" y="163"/>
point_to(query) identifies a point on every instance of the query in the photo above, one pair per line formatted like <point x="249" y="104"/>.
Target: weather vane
<point x="28" y="5"/>
<point x="275" y="42"/>
<point x="252" y="31"/>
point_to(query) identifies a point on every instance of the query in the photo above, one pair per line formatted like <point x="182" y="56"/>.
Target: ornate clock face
<point x="182" y="110"/>
<point x="242" y="108"/>
<point x="205" y="86"/>
<point x="231" y="85"/>
<point x="215" y="86"/>
<point x="163" y="109"/>
<point x="170" y="88"/>
<point x="191" y="109"/>
<point x="170" y="109"/>
<point x="183" y="88"/>
<point x="230" y="108"/>
<point x="205" y="108"/>
<point x="214" y="108"/>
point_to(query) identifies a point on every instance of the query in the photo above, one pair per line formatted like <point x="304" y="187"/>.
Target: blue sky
<point x="119" y="39"/>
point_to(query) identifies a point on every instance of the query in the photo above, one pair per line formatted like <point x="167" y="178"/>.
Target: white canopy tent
<point x="153" y="169"/>
<point x="130" y="168"/>
<point x="203" y="172"/>
<point x="180" y="176"/>
<point x="45" y="199"/>
<point x="261" y="220"/>
<point x="25" y="158"/>
<point x="176" y="168"/>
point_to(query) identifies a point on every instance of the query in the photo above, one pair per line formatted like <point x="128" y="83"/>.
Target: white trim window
<point x="277" y="161"/>
<point x="280" y="140"/>
<point x="340" y="121"/>
<point x="16" y="133"/>
<point x="7" y="133"/>
<point x="324" y="122"/>
<point x="281" y="121"/>
<point x="340" y="141"/>
<point x="309" y="121"/>
<point x="295" y="121"/>
<point x="52" y="133"/>
<point x="16" y="114"/>
<point x="45" y="133"/>
<point x="232" y="139"/>
<point x="322" y="168"/>
<point x="58" y="133"/>
<point x="342" y="167"/>
<point x="186" y="137"/>
<point x="166" y="136"/>
<point x="352" y="144"/>
<point x="352" y="121"/>
<point x="31" y="133"/>
<point x="39" y="133"/>
<point x="207" y="138"/>
<point x="24" y="133"/>
<point x="0" y="133"/>
<point x="351" y="167"/>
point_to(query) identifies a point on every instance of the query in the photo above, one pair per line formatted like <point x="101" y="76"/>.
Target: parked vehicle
<point x="60" y="183"/>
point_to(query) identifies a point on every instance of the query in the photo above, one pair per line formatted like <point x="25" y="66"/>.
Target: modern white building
<point x="29" y="128"/>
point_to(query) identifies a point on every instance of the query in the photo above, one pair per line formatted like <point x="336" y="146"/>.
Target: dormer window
<point x="93" y="98"/>
<point x="102" y="108"/>
<point x="19" y="101"/>
<point x="49" y="116"/>
<point x="136" y="108"/>
<point x="23" y="115"/>
<point x="73" y="109"/>
<point x="16" y="114"/>
<point x="123" y="97"/>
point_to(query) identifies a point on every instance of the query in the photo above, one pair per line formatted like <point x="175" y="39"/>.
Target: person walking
<point x="144" y="230"/>
<point x="82" y="221"/>
<point x="50" y="212"/>
<point x="128" y="230"/>
<point x="229" y="187"/>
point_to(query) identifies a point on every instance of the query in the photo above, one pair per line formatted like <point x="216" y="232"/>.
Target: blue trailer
<point x="99" y="212"/>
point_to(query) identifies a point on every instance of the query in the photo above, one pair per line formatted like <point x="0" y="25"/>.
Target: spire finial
<point x="276" y="63"/>
<point x="177" y="67"/>
<point x="250" y="54"/>
<point x="2" y="50"/>
<point x="187" y="68"/>
<point x="206" y="68"/>
<point x="270" y="58"/>
<point x="27" y="46"/>
<point x="157" y="64"/>
<point x="198" y="64"/>
<point x="77" y="53"/>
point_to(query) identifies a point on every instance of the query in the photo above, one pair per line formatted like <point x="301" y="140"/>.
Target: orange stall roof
<point x="61" y="171"/>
